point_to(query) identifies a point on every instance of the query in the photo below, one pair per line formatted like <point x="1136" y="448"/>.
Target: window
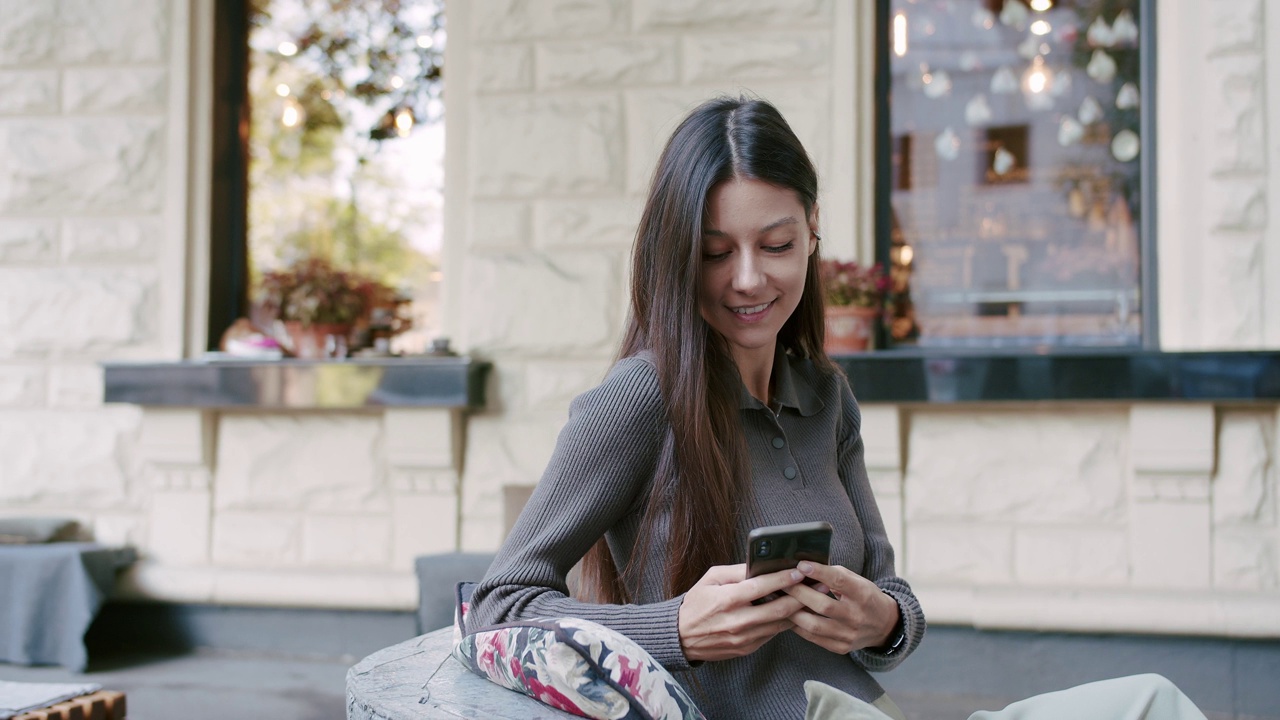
<point x="329" y="144"/>
<point x="1014" y="172"/>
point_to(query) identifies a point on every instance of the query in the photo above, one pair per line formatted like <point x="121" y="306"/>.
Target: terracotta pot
<point x="311" y="342"/>
<point x="849" y="328"/>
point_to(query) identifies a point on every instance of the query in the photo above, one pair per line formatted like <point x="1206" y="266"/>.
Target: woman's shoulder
<point x="631" y="385"/>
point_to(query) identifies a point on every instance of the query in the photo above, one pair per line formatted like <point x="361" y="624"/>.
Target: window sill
<point x="442" y="382"/>
<point x="943" y="377"/>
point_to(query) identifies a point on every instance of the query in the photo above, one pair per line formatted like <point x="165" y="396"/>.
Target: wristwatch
<point x="897" y="638"/>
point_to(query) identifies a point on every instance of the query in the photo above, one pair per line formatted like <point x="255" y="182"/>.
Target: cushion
<point x="28" y="530"/>
<point x="574" y="665"/>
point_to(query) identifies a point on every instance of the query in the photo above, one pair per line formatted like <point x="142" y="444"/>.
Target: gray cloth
<point x="50" y="594"/>
<point x="596" y="485"/>
<point x="18" y="698"/>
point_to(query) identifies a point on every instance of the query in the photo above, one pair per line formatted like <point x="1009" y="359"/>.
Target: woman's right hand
<point x="717" y="620"/>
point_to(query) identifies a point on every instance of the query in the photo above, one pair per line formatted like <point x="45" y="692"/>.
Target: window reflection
<point x="1014" y="176"/>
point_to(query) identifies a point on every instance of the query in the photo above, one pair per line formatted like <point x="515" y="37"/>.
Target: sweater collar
<point x="791" y="388"/>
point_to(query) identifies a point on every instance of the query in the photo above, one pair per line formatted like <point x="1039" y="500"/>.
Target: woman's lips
<point x="751" y="313"/>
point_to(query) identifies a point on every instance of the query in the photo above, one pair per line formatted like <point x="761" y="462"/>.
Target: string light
<point x="288" y="49"/>
<point x="397" y="82"/>
<point x="292" y="114"/>
<point x="404" y="122"/>
<point x="1041" y="5"/>
<point x="1041" y="27"/>
<point x="900" y="34"/>
<point x="282" y="90"/>
<point x="425" y="41"/>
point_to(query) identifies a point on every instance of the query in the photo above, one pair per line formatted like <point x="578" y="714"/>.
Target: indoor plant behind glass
<point x="315" y="301"/>
<point x="854" y="300"/>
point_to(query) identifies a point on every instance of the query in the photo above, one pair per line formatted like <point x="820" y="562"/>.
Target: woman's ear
<point x="814" y="235"/>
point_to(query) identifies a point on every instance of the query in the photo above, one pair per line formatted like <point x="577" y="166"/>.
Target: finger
<point x="811" y="598"/>
<point x="839" y="580"/>
<point x="724" y="574"/>
<point x="815" y="638"/>
<point x="780" y="609"/>
<point x="761" y="585"/>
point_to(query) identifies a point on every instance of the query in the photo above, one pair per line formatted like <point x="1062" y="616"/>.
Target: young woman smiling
<point x="721" y="414"/>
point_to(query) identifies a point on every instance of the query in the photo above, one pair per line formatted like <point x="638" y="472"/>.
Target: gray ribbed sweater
<point x="596" y="484"/>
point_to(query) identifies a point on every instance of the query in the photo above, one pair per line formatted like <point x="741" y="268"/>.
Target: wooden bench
<point x="102" y="705"/>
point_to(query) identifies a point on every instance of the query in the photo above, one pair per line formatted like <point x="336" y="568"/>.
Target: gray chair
<point x="438" y="575"/>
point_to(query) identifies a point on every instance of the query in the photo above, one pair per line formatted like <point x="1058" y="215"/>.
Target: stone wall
<point x="1150" y="518"/>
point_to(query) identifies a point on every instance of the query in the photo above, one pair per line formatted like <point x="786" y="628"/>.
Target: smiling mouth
<point x="753" y="310"/>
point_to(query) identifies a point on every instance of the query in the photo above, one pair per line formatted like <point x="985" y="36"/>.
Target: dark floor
<point x="212" y="663"/>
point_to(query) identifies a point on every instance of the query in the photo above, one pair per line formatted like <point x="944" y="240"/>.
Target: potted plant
<point x="315" y="301"/>
<point x="854" y="299"/>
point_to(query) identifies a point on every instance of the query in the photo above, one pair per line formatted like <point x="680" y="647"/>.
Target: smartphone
<point x="778" y="547"/>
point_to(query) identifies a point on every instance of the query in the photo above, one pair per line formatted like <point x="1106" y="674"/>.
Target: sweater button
<point x="789" y="473"/>
<point x="779" y="442"/>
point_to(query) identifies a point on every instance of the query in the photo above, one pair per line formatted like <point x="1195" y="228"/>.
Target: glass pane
<point x="346" y="147"/>
<point x="1014" y="182"/>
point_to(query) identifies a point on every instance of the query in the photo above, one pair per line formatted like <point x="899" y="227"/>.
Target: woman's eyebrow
<point x="789" y="220"/>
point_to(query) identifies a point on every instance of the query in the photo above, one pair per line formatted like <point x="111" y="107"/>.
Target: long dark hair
<point x="703" y="474"/>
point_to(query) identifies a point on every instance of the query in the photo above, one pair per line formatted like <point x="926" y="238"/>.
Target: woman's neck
<point x="756" y="369"/>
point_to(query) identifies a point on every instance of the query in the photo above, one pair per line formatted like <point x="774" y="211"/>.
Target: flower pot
<point x="849" y="328"/>
<point x="311" y="342"/>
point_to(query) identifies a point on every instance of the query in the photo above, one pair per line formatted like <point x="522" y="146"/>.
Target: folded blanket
<point x="18" y="698"/>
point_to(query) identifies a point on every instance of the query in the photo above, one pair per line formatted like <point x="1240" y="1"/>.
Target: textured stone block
<point x="751" y="58"/>
<point x="410" y="480"/>
<point x="176" y="436"/>
<point x="1170" y="544"/>
<point x="22" y="386"/>
<point x="1172" y="438"/>
<point x="74" y="458"/>
<point x="503" y="68"/>
<point x="300" y="462"/>
<point x="116" y="90"/>
<point x="25" y="37"/>
<point x="587" y="222"/>
<point x="652" y="115"/>
<point x="256" y="539"/>
<point x="421" y="438"/>
<point x="718" y="14"/>
<point x="1246" y="559"/>
<point x="82" y="165"/>
<point x="545" y="144"/>
<point x="499" y="225"/>
<point x="512" y="299"/>
<point x="115" y="31"/>
<point x="75" y="310"/>
<point x="1237" y="27"/>
<point x="1027" y="466"/>
<point x="959" y="553"/>
<point x="1071" y="557"/>
<point x="493" y="20"/>
<point x="1232" y="278"/>
<point x="1239" y="206"/>
<point x="361" y="541"/>
<point x="94" y="239"/>
<point x="423" y="524"/>
<point x="882" y="437"/>
<point x="551" y="385"/>
<point x="28" y="91"/>
<point x="1244" y="487"/>
<point x="122" y="529"/>
<point x="179" y="527"/>
<point x="607" y="63"/>
<point x="28" y="240"/>
<point x="1238" y="133"/>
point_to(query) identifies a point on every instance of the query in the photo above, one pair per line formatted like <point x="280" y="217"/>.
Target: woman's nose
<point x="747" y="274"/>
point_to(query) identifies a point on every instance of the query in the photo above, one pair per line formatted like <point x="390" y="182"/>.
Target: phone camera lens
<point x="763" y="548"/>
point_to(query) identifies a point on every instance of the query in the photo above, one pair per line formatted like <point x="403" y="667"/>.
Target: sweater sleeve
<point x="603" y="463"/>
<point x="879" y="562"/>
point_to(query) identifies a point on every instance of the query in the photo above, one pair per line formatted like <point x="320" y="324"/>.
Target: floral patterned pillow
<point x="575" y="665"/>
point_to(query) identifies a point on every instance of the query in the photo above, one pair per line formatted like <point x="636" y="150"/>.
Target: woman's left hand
<point x="859" y="615"/>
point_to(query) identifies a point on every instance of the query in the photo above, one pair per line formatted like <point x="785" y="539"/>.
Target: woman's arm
<point x="602" y="466"/>
<point x="879" y="561"/>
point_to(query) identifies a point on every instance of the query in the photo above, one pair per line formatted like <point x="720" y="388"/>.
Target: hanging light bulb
<point x="900" y="34"/>
<point x="293" y="114"/>
<point x="425" y="41"/>
<point x="1041" y="27"/>
<point x="404" y="122"/>
<point x="1041" y="5"/>
<point x="282" y="90"/>
<point x="287" y="49"/>
<point x="397" y="82"/>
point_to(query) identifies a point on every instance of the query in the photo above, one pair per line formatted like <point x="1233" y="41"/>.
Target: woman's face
<point x="756" y="243"/>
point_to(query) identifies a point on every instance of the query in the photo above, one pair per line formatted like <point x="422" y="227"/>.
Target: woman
<point x="722" y="414"/>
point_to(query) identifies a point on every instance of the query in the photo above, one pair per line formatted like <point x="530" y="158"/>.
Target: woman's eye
<point x="712" y="257"/>
<point x="780" y="248"/>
